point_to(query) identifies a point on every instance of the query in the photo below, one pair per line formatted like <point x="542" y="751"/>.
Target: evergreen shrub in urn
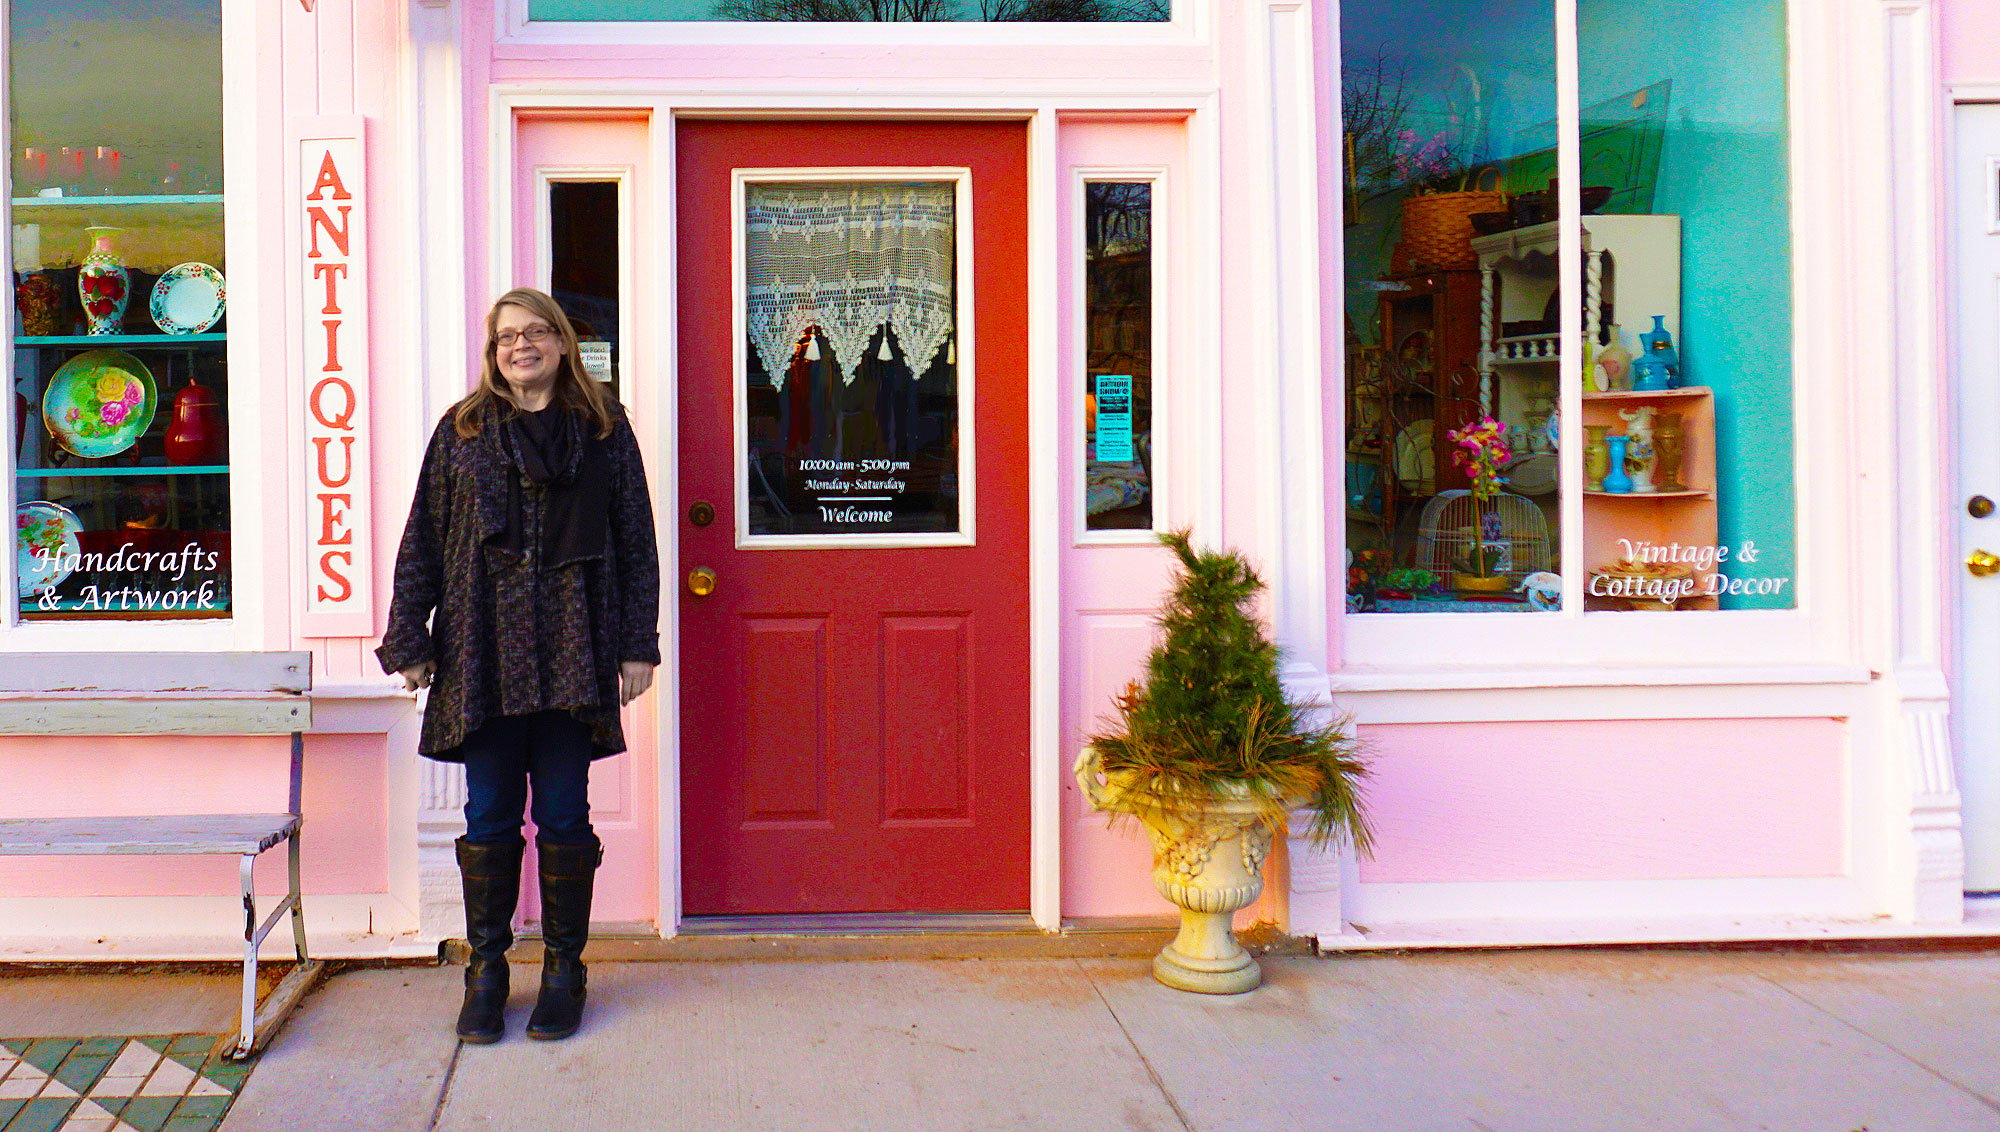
<point x="1208" y="754"/>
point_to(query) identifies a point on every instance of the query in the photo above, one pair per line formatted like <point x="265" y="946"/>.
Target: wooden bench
<point x="175" y="694"/>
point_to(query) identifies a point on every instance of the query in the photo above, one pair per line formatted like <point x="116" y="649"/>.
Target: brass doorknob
<point x="701" y="580"/>
<point x="1982" y="563"/>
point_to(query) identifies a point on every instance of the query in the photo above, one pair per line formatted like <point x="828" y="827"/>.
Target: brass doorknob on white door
<point x="701" y="580"/>
<point x="1982" y="563"/>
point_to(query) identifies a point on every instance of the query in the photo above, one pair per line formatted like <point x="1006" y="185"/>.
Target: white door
<point x="1975" y="241"/>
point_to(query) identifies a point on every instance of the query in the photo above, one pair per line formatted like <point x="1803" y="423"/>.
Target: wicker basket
<point x="1437" y="227"/>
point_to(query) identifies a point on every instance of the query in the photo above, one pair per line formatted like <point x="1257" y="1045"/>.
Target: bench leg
<point x="298" y="901"/>
<point x="246" y="1038"/>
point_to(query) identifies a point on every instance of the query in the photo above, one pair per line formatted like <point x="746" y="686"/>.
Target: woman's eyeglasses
<point x="535" y="333"/>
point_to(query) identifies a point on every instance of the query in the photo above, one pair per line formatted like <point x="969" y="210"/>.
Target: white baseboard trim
<point x="1609" y="901"/>
<point x="1981" y="921"/>
<point x="138" y="928"/>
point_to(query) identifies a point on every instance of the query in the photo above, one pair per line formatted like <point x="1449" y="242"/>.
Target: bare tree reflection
<point x="928" y="11"/>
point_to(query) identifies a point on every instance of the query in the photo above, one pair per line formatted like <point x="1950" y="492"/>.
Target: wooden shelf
<point x="118" y="339"/>
<point x="160" y="470"/>
<point x="82" y="200"/>
<point x="1688" y="494"/>
<point x="1685" y="391"/>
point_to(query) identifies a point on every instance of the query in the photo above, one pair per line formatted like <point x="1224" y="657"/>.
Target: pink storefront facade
<point x="1549" y="766"/>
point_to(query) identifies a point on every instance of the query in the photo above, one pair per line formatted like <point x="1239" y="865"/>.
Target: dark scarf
<point x="555" y="450"/>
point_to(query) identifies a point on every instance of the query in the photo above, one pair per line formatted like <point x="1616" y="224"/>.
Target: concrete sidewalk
<point x="1524" y="1041"/>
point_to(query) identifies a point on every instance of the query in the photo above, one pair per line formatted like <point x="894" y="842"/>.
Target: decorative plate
<point x="1415" y="459"/>
<point x="99" y="403"/>
<point x="188" y="299"/>
<point x="45" y="546"/>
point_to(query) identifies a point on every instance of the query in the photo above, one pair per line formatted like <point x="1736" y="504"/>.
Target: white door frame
<point x="654" y="403"/>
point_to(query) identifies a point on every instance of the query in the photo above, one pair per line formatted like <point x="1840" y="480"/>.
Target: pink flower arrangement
<point x="1481" y="449"/>
<point x="1424" y="161"/>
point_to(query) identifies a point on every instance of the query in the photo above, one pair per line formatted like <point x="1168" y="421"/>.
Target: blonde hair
<point x="574" y="389"/>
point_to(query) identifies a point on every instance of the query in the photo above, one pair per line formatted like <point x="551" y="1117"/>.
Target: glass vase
<point x="1668" y="445"/>
<point x="1596" y="458"/>
<point x="1615" y="479"/>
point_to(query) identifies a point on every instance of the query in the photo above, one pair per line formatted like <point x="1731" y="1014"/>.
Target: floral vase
<point x="196" y="436"/>
<point x="103" y="283"/>
<point x="1612" y="371"/>
<point x="39" y="299"/>
<point x="1615" y="479"/>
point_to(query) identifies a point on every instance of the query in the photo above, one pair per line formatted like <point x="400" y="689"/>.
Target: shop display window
<point x="851" y="386"/>
<point x="121" y="378"/>
<point x="1118" y="318"/>
<point x="856" y="11"/>
<point x="1503" y="454"/>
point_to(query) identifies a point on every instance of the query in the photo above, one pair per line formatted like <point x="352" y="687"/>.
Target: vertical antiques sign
<point x="332" y="211"/>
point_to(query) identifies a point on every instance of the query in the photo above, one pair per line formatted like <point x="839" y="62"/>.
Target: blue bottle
<point x="1650" y="374"/>
<point x="1659" y="344"/>
<point x="1615" y="479"/>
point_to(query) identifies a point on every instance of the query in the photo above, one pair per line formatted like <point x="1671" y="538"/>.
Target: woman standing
<point x="527" y="600"/>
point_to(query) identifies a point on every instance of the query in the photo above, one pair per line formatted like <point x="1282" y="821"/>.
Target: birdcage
<point x="1454" y="525"/>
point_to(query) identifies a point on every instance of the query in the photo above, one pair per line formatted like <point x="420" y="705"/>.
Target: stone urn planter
<point x="1209" y="862"/>
<point x="1209" y="753"/>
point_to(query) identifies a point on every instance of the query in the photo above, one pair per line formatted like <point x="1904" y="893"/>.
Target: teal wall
<point x="682" y="10"/>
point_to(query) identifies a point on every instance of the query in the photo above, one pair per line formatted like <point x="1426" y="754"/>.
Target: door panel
<point x="854" y="694"/>
<point x="572" y="237"/>
<point x="1975" y="714"/>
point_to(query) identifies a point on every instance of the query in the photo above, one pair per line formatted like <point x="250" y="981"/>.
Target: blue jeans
<point x="549" y="750"/>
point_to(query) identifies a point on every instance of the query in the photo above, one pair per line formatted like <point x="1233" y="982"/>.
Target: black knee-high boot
<point x="567" y="873"/>
<point x="492" y="878"/>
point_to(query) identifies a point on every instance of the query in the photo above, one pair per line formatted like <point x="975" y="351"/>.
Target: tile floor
<point x="160" y="1083"/>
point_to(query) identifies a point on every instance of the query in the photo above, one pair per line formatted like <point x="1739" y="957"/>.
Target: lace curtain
<point x="851" y="259"/>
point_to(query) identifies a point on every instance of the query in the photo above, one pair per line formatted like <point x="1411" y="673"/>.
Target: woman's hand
<point x="634" y="677"/>
<point x="418" y="675"/>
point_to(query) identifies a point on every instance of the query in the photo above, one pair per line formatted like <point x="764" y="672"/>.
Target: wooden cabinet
<point x="1405" y="395"/>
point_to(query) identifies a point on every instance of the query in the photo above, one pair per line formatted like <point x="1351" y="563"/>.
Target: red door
<point x="854" y="711"/>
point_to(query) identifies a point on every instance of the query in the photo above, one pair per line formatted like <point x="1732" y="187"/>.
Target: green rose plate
<point x="99" y="403"/>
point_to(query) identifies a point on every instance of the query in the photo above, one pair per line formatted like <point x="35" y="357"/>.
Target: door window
<point x="851" y="390"/>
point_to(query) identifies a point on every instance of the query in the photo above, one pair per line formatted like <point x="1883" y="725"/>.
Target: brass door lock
<point x="701" y="512"/>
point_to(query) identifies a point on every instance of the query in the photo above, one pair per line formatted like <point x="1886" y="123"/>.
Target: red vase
<point x="196" y="436"/>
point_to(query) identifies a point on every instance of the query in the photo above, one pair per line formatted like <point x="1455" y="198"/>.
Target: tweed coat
<point x="512" y="635"/>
